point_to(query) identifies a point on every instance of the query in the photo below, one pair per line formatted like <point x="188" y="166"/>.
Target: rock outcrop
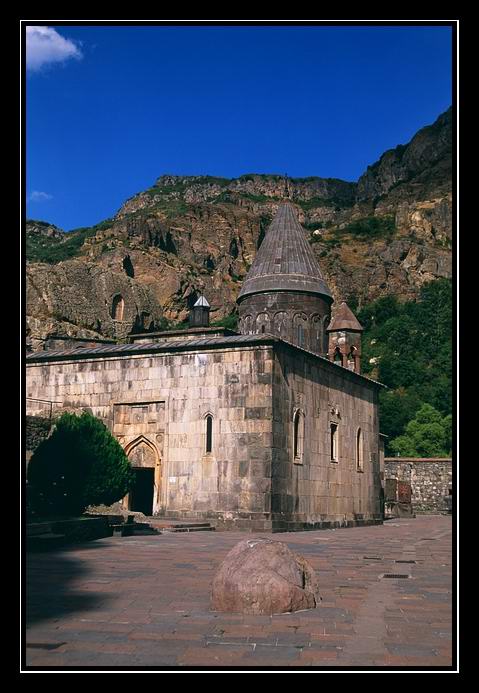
<point x="262" y="576"/>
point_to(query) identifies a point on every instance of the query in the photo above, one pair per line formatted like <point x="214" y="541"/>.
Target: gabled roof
<point x="171" y="346"/>
<point x="344" y="319"/>
<point x="285" y="261"/>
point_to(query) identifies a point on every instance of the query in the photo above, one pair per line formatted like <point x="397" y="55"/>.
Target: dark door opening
<point x="142" y="492"/>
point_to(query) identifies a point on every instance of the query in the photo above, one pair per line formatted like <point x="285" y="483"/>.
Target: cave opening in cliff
<point x="209" y="263"/>
<point x="128" y="267"/>
<point x="167" y="244"/>
<point x="234" y="251"/>
<point x="191" y="299"/>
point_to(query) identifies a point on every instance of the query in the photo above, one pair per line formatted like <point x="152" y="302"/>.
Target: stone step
<point x="133" y="528"/>
<point x="153" y="522"/>
<point x="170" y="525"/>
<point x="207" y="528"/>
<point x="154" y="525"/>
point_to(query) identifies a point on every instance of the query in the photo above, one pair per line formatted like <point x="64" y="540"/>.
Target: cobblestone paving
<point x="144" y="602"/>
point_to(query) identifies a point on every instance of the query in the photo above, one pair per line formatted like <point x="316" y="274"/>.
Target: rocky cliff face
<point x="388" y="233"/>
<point x="420" y="168"/>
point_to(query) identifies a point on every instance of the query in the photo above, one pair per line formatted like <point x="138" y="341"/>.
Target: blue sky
<point x="109" y="109"/>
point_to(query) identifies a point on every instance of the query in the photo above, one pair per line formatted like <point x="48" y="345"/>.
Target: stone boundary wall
<point x="37" y="429"/>
<point x="430" y="479"/>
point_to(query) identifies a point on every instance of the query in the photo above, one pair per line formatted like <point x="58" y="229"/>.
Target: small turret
<point x="200" y="313"/>
<point x="345" y="339"/>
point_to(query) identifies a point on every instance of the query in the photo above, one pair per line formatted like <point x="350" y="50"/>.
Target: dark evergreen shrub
<point x="80" y="464"/>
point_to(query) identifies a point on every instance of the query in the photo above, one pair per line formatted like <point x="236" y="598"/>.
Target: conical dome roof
<point x="285" y="260"/>
<point x="344" y="319"/>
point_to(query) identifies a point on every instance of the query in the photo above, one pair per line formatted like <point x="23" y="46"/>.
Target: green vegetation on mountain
<point x="230" y="322"/>
<point x="408" y="347"/>
<point x="371" y="227"/>
<point x="53" y="249"/>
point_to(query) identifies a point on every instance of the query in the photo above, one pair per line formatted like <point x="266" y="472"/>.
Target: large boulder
<point x="262" y="576"/>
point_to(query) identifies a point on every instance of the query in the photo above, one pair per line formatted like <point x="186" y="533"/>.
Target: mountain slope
<point x="389" y="233"/>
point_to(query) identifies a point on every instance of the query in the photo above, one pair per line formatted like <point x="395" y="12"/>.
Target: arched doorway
<point x="145" y="495"/>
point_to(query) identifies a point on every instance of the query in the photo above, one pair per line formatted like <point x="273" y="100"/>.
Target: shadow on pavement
<point x="48" y="591"/>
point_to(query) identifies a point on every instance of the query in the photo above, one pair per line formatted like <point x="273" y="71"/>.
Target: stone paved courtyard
<point x="144" y="602"/>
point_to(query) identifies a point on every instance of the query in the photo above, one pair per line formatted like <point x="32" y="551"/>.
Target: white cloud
<point x="46" y="46"/>
<point x="38" y="196"/>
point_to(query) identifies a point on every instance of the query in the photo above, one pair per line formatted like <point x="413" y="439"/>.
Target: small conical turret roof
<point x="285" y="261"/>
<point x="344" y="319"/>
<point x="202" y="302"/>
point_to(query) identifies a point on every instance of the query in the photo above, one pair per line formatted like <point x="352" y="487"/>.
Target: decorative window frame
<point x="298" y="435"/>
<point x="334" y="442"/>
<point x="359" y="450"/>
<point x="208" y="416"/>
<point x="301" y="329"/>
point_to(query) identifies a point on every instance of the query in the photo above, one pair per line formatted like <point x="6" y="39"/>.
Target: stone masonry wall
<point x="37" y="429"/>
<point x="317" y="491"/>
<point x="430" y="480"/>
<point x="160" y="401"/>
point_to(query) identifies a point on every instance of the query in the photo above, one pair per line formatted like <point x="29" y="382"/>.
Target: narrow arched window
<point x="352" y="359"/>
<point x="298" y="436"/>
<point x="300" y="335"/>
<point x="333" y="428"/>
<point x="359" y="451"/>
<point x="209" y="433"/>
<point x="316" y="334"/>
<point x="117" y="307"/>
<point x="338" y="358"/>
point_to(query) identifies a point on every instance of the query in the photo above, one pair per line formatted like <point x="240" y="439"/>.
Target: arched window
<point x="280" y="324"/>
<point x="352" y="359"/>
<point x="338" y="357"/>
<point x="316" y="334"/>
<point x="359" y="451"/>
<point x="333" y="427"/>
<point x="209" y="433"/>
<point x="117" y="307"/>
<point x="300" y="329"/>
<point x="246" y="324"/>
<point x="262" y="323"/>
<point x="300" y="335"/>
<point x="298" y="436"/>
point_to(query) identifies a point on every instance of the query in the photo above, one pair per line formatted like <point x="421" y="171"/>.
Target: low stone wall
<point x="37" y="429"/>
<point x="430" y="479"/>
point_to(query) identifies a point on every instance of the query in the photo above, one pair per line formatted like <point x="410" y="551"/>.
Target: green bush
<point x="80" y="464"/>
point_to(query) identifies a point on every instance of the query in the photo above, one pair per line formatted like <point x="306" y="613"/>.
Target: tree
<point x="80" y="464"/>
<point x="427" y="435"/>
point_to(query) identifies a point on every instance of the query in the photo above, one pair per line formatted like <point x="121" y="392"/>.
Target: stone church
<point x="273" y="428"/>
